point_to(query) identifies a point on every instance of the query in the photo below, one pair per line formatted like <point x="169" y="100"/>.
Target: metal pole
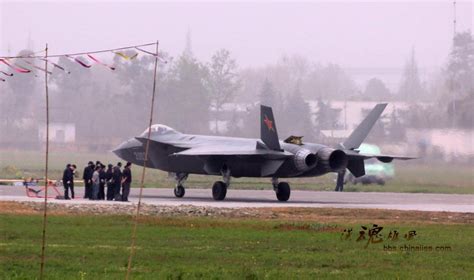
<point x="454" y="19"/>
<point x="46" y="183"/>
<point x="137" y="214"/>
<point x="453" y="85"/>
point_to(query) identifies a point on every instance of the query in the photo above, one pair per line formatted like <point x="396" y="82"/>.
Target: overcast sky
<point x="350" y="33"/>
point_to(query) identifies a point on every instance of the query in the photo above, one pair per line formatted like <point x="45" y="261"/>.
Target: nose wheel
<point x="219" y="189"/>
<point x="179" y="190"/>
<point x="282" y="189"/>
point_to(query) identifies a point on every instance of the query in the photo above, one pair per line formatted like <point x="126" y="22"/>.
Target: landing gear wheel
<point x="179" y="191"/>
<point x="219" y="190"/>
<point x="283" y="191"/>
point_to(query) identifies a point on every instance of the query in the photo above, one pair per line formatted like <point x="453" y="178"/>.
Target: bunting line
<point x="17" y="68"/>
<point x="37" y="67"/>
<point x="81" y="53"/>
<point x="101" y="63"/>
<point x="79" y="61"/>
<point x="56" y="65"/>
<point x="85" y="59"/>
<point x="153" y="54"/>
<point x="126" y="57"/>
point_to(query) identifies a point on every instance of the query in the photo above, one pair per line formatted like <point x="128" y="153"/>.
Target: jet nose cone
<point x="120" y="149"/>
<point x="128" y="150"/>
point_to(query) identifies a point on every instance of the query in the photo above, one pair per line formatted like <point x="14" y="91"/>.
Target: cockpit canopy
<point x="159" y="129"/>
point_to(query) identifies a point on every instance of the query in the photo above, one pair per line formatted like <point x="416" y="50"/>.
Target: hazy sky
<point x="352" y="34"/>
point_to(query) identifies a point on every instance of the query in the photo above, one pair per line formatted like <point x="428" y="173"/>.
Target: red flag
<point x="39" y="68"/>
<point x="15" y="67"/>
<point x="101" y="63"/>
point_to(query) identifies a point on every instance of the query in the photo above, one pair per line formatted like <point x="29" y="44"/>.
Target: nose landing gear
<point x="282" y="189"/>
<point x="179" y="190"/>
<point x="219" y="189"/>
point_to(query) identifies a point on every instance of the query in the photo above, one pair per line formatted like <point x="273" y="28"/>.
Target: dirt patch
<point x="314" y="227"/>
<point x="353" y="216"/>
<point x="7" y="207"/>
<point x="314" y="215"/>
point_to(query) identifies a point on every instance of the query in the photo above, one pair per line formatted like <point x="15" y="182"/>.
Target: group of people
<point x="97" y="177"/>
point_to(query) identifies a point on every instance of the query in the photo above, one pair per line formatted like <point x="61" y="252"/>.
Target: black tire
<point x="283" y="191"/>
<point x="219" y="190"/>
<point x="179" y="191"/>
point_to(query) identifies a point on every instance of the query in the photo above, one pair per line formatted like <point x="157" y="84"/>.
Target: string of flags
<point x="25" y="64"/>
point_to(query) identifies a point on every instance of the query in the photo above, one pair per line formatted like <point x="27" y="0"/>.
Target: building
<point x="58" y="133"/>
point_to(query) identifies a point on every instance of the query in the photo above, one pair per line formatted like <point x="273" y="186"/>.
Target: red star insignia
<point x="268" y="123"/>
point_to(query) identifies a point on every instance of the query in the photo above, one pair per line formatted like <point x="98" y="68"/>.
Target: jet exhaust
<point x="303" y="159"/>
<point x="331" y="159"/>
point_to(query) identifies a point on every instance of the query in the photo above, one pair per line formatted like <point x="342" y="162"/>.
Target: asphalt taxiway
<point x="266" y="198"/>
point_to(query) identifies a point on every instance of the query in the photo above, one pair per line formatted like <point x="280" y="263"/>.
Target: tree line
<point x="108" y="106"/>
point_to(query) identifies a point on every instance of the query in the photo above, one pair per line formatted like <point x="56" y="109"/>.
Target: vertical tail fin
<point x="360" y="133"/>
<point x="268" y="130"/>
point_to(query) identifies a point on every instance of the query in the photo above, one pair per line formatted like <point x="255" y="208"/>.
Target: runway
<point x="266" y="198"/>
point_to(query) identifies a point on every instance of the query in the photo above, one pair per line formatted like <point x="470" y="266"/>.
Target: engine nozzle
<point x="304" y="159"/>
<point x="332" y="160"/>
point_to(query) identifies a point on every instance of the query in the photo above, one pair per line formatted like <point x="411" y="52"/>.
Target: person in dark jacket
<point x="87" y="177"/>
<point x="67" y="179"/>
<point x="110" y="182"/>
<point x="126" y="181"/>
<point x="74" y="175"/>
<point x="102" y="178"/>
<point x="117" y="177"/>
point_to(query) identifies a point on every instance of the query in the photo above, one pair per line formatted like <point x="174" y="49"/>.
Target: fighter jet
<point x="182" y="154"/>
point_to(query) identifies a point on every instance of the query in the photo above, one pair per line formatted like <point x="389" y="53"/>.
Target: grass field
<point x="96" y="247"/>
<point x="410" y="177"/>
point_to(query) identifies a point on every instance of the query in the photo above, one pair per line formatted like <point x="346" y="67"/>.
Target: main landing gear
<point x="219" y="189"/>
<point x="282" y="189"/>
<point x="179" y="190"/>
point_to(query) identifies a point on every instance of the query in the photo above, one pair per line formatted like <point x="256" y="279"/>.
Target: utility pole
<point x="454" y="18"/>
<point x="454" y="88"/>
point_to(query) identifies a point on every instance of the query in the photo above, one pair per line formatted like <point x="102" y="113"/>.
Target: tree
<point x="396" y="130"/>
<point x="460" y="73"/>
<point x="184" y="100"/>
<point x="267" y="97"/>
<point x="267" y="94"/>
<point x="136" y="80"/>
<point x="234" y="125"/>
<point x="410" y="87"/>
<point x="223" y="81"/>
<point x="326" y="117"/>
<point x="328" y="82"/>
<point x="376" y="90"/>
<point x="20" y="103"/>
<point x="460" y="68"/>
<point x="91" y="99"/>
<point x="297" y="116"/>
